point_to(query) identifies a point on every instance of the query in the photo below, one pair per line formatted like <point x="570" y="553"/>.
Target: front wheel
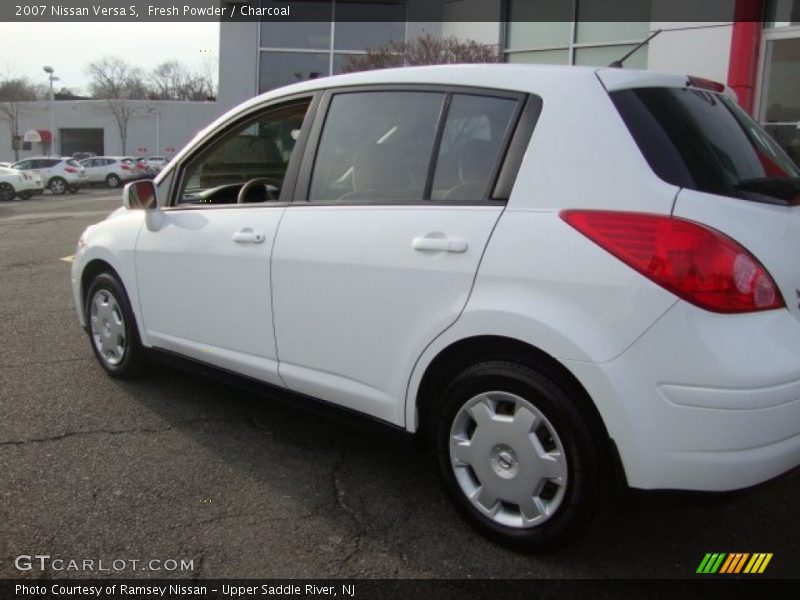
<point x="113" y="181"/>
<point x="112" y="328"/>
<point x="517" y="456"/>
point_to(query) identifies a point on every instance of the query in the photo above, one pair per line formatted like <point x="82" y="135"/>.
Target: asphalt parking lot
<point x="176" y="466"/>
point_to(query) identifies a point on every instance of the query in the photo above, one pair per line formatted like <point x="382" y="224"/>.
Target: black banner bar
<point x="379" y="10"/>
<point x="362" y="589"/>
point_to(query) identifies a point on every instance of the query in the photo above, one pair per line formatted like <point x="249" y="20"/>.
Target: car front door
<point x="203" y="265"/>
<point x="378" y="254"/>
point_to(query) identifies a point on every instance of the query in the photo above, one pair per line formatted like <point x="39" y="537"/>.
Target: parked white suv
<point x="13" y="183"/>
<point x="156" y="163"/>
<point x="546" y="272"/>
<point x="59" y="175"/>
<point x="111" y="170"/>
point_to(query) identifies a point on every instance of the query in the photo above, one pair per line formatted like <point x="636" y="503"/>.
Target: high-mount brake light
<point x="705" y="84"/>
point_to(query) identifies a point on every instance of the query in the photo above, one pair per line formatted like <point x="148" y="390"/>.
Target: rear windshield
<point x="700" y="140"/>
<point x="73" y="163"/>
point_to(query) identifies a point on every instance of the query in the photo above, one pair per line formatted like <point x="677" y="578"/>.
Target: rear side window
<point x="473" y="137"/>
<point x="700" y="140"/>
<point x="376" y="146"/>
<point x="407" y="146"/>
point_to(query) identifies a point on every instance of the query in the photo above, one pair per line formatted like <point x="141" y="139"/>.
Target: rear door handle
<point x="248" y="236"/>
<point x="440" y="244"/>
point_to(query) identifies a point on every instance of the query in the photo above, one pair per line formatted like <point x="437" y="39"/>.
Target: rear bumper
<point x="704" y="401"/>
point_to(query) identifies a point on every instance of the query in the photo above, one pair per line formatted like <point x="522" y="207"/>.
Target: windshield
<point x="701" y="140"/>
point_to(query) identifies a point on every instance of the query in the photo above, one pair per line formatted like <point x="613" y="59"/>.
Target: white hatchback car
<point x="111" y="170"/>
<point x="554" y="275"/>
<point x="60" y="175"/>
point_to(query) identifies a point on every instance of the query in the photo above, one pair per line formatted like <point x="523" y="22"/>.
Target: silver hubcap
<point x="108" y="327"/>
<point x="57" y="186"/>
<point x="508" y="459"/>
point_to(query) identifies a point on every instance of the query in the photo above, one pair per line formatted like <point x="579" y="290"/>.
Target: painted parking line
<point x="68" y="259"/>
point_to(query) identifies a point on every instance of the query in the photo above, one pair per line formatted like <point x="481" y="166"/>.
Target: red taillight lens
<point x="695" y="262"/>
<point x="125" y="167"/>
<point x="71" y="169"/>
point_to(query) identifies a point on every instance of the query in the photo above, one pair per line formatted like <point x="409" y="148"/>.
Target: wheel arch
<point x="92" y="269"/>
<point x="466" y="352"/>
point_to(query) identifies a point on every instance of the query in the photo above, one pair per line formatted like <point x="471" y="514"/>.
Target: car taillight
<point x="71" y="169"/>
<point x="697" y="263"/>
<point x="125" y="167"/>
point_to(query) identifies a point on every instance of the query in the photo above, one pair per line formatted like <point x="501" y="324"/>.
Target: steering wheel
<point x="249" y="185"/>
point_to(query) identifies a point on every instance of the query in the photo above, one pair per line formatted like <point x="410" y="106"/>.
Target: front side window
<point x="376" y="146"/>
<point x="258" y="149"/>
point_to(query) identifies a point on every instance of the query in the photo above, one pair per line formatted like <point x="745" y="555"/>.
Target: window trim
<point x="491" y="198"/>
<point x="256" y="112"/>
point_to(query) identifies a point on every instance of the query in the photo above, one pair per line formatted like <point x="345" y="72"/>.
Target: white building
<point x="156" y="128"/>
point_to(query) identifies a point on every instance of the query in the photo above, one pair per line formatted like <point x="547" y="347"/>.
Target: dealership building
<point x="759" y="59"/>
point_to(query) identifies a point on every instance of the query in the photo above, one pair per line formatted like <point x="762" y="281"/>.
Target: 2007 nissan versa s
<point x="547" y="272"/>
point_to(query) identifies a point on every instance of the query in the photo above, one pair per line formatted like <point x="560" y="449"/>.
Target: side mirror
<point x="140" y="195"/>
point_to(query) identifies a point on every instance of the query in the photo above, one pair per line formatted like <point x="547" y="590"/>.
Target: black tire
<point x="587" y="473"/>
<point x="57" y="185"/>
<point x="7" y="191"/>
<point x="132" y="359"/>
<point x="26" y="195"/>
<point x="113" y="180"/>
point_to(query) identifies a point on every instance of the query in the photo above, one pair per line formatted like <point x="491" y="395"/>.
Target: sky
<point x="68" y="47"/>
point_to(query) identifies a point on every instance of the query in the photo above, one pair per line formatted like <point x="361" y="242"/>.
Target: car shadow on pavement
<point x="355" y="502"/>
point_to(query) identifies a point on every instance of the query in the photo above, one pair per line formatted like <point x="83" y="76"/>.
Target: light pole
<point x="153" y="110"/>
<point x="52" y="78"/>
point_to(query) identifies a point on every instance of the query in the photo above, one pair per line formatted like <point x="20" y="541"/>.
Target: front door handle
<point x="248" y="236"/>
<point x="440" y="244"/>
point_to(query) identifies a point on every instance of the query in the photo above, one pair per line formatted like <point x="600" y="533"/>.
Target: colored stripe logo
<point x="734" y="563"/>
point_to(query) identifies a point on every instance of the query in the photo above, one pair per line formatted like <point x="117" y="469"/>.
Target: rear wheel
<point x="57" y="185"/>
<point x="112" y="181"/>
<point x="517" y="456"/>
<point x="7" y="191"/>
<point x="112" y="328"/>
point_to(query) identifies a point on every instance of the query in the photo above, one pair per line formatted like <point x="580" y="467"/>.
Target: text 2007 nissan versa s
<point x="547" y="272"/>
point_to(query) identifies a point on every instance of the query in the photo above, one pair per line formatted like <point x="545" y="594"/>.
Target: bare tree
<point x="423" y="50"/>
<point x="171" y="80"/>
<point x="12" y="93"/>
<point x="117" y="82"/>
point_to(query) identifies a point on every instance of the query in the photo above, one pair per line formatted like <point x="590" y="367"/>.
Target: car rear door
<point x="378" y="253"/>
<point x="203" y="262"/>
